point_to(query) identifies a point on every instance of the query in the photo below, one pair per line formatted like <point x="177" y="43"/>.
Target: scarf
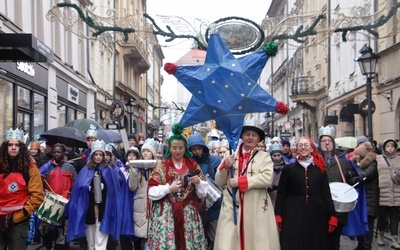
<point x="305" y="161"/>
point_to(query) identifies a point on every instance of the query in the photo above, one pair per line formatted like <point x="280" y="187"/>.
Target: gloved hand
<point x="278" y="219"/>
<point x="273" y="188"/>
<point x="332" y="224"/>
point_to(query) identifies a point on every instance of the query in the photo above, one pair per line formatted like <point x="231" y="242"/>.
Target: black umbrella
<point x="83" y="124"/>
<point x="108" y="136"/>
<point x="69" y="136"/>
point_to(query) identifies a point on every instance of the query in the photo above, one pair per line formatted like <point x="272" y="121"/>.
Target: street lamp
<point x="131" y="104"/>
<point x="367" y="62"/>
<point x="161" y="130"/>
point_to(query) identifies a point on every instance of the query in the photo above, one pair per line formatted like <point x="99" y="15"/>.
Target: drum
<point x="344" y="196"/>
<point x="214" y="192"/>
<point x="52" y="209"/>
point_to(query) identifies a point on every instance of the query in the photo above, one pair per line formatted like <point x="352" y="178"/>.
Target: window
<point x="6" y="107"/>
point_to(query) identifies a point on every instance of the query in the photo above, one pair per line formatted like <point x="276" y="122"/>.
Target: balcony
<point x="305" y="93"/>
<point x="137" y="52"/>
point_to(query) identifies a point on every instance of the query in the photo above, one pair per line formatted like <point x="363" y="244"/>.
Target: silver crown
<point x="98" y="146"/>
<point x="275" y="147"/>
<point x="328" y="130"/>
<point x="109" y="148"/>
<point x="15" y="134"/>
<point x="92" y="132"/>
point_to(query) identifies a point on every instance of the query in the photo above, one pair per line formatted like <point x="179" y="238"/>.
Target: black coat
<point x="304" y="224"/>
<point x="368" y="168"/>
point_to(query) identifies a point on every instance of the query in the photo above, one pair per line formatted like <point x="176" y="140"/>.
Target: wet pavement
<point x="345" y="244"/>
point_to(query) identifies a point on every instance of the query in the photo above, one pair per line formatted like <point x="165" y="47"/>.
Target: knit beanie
<point x="361" y="139"/>
<point x="151" y="145"/>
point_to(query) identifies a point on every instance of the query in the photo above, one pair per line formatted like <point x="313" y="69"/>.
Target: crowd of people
<point x="157" y="196"/>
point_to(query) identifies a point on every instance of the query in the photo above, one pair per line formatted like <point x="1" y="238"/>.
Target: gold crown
<point x="15" y="134"/>
<point x="328" y="130"/>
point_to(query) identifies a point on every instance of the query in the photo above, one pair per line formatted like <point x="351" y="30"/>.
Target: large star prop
<point x="225" y="89"/>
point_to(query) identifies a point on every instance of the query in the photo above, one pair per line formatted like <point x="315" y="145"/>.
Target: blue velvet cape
<point x="79" y="203"/>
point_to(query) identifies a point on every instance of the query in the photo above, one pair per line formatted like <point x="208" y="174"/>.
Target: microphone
<point x="77" y="158"/>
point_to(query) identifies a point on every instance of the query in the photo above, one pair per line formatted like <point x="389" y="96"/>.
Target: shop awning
<point x="23" y="48"/>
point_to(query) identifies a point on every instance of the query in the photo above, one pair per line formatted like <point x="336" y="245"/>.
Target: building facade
<point x="49" y="85"/>
<point x="324" y="81"/>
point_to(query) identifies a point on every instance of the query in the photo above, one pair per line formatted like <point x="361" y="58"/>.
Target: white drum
<point x="344" y="196"/>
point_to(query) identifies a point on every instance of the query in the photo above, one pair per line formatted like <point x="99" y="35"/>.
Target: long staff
<point x="234" y="190"/>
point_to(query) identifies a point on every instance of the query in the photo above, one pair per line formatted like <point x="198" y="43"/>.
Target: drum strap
<point x="340" y="168"/>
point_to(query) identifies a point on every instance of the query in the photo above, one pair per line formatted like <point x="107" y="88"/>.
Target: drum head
<point x="343" y="192"/>
<point x="56" y="198"/>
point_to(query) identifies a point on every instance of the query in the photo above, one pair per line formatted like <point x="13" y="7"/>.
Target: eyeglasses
<point x="303" y="145"/>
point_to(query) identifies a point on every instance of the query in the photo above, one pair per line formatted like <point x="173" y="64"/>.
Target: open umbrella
<point x="346" y="142"/>
<point x="83" y="124"/>
<point x="108" y="136"/>
<point x="69" y="136"/>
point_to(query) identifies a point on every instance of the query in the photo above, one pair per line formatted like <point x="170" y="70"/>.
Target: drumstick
<point x="355" y="185"/>
<point x="77" y="158"/>
<point x="49" y="186"/>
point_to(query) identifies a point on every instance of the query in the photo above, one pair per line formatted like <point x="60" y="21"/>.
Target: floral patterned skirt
<point x="162" y="232"/>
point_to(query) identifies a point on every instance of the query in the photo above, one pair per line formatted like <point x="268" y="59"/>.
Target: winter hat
<point x="387" y="141"/>
<point x="361" y="138"/>
<point x="151" y="145"/>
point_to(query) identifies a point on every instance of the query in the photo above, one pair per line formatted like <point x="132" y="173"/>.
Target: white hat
<point x="151" y="145"/>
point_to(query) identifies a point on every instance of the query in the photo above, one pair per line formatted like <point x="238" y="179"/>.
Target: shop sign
<point x="73" y="94"/>
<point x="27" y="68"/>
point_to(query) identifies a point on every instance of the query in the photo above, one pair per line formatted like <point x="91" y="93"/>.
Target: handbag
<point x="393" y="175"/>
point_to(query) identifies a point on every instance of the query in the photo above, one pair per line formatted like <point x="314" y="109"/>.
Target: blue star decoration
<point x="225" y="89"/>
